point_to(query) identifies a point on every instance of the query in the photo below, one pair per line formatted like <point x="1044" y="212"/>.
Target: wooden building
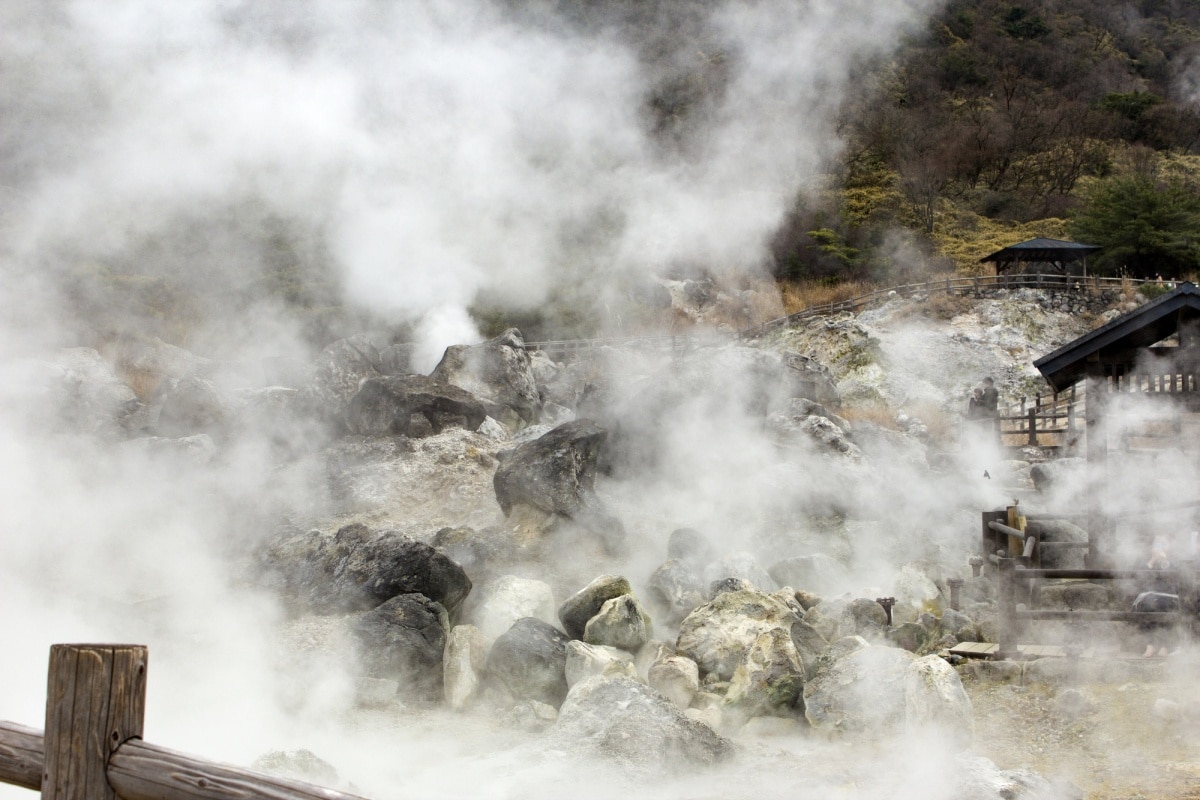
<point x="1152" y="352"/>
<point x="1050" y="256"/>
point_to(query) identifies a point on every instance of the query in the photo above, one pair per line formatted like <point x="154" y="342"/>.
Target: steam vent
<point x="486" y="399"/>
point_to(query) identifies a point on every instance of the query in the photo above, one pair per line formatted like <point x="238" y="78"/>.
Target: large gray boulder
<point x="585" y="660"/>
<point x="769" y="679"/>
<point x="677" y="677"/>
<point x="674" y="589"/>
<point x="718" y="634"/>
<point x="191" y="406"/>
<point x="463" y="665"/>
<point x="529" y="660"/>
<point x="555" y="472"/>
<point x="510" y="598"/>
<point x="337" y="374"/>
<point x="580" y="607"/>
<point x="741" y="565"/>
<point x="497" y="371"/>
<point x="934" y="699"/>
<point x="624" y="721"/>
<point x="83" y="390"/>
<point x="357" y="568"/>
<point x="817" y="573"/>
<point x="403" y="640"/>
<point x="385" y="406"/>
<point x="862" y="692"/>
<point x="621" y="622"/>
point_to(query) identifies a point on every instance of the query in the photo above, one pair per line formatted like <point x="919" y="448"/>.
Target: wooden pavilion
<point x="1053" y="256"/>
<point x="1154" y="352"/>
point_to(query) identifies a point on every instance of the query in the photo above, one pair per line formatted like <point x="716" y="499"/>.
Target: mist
<point x="250" y="181"/>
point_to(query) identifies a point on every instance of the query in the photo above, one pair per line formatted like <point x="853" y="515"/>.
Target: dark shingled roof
<point x="1140" y="328"/>
<point x="1042" y="250"/>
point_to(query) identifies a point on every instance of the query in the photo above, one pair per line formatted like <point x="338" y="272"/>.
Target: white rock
<point x="585" y="660"/>
<point x="509" y="599"/>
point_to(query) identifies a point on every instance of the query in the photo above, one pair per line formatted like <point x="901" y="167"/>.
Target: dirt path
<point x="1135" y="738"/>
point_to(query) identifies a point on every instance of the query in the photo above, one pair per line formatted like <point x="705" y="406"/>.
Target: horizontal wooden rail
<point x="142" y="771"/>
<point x="92" y="749"/>
<point x="22" y="755"/>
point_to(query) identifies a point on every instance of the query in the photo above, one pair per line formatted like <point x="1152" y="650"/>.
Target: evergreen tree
<point x="1146" y="229"/>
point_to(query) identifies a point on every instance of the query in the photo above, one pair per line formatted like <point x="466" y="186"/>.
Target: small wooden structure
<point x="1042" y="255"/>
<point x="1153" y="352"/>
<point x="92" y="747"/>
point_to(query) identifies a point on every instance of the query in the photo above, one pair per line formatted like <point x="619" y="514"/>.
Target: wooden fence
<point x="92" y="747"/>
<point x="976" y="284"/>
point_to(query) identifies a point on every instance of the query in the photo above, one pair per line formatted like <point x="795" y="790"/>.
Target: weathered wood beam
<point x="95" y="701"/>
<point x="142" y="771"/>
<point x="22" y="756"/>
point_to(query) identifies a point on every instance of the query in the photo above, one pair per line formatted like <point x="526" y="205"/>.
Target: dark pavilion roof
<point x="1140" y="328"/>
<point x="1051" y="250"/>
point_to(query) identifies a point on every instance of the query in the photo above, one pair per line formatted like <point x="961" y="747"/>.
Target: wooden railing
<point x="948" y="285"/>
<point x="1051" y="419"/>
<point x="92" y="747"/>
<point x="681" y="342"/>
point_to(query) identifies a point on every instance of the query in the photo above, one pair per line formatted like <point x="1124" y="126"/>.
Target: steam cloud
<point x="410" y="157"/>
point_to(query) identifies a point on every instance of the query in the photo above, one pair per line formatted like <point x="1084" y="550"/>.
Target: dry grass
<point x="799" y="295"/>
<point x="144" y="382"/>
<point x="875" y="414"/>
<point x="943" y="426"/>
<point x="946" y="307"/>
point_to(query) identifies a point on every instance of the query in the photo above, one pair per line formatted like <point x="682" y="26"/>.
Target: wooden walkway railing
<point x="681" y="342"/>
<point x="92" y="748"/>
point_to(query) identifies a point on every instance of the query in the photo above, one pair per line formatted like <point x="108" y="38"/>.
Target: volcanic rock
<point x="675" y="590"/>
<point x="585" y="660"/>
<point x="677" y="677"/>
<point x="337" y="375"/>
<point x="497" y="371"/>
<point x="463" y="662"/>
<point x="403" y="639"/>
<point x="740" y="565"/>
<point x="718" y="634"/>
<point x="619" y="623"/>
<point x="580" y="607"/>
<point x="509" y="599"/>
<point x="934" y="698"/>
<point x="689" y="546"/>
<point x="191" y="406"/>
<point x="530" y="661"/>
<point x="357" y="569"/>
<point x="863" y="691"/>
<point x="622" y="720"/>
<point x="386" y="406"/>
<point x="555" y="473"/>
<point x="814" y="573"/>
<point x="769" y="678"/>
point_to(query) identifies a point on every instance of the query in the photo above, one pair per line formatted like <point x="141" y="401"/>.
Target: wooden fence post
<point x="1032" y="425"/>
<point x="95" y="701"/>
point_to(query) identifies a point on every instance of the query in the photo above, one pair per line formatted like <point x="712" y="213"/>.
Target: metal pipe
<point x="887" y="603"/>
<point x="955" y="585"/>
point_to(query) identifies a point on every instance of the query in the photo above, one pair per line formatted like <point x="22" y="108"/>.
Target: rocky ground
<point x="669" y="565"/>
<point x="1119" y="739"/>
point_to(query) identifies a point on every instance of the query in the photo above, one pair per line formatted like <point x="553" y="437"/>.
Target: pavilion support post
<point x="95" y="702"/>
<point x="1099" y="526"/>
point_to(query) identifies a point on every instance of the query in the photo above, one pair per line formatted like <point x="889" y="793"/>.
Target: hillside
<point x="1002" y="121"/>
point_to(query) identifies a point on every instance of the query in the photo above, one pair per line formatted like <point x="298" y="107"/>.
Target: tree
<point x="1145" y="228"/>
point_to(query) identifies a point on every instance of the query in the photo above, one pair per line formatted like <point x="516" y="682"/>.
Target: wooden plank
<point x="95" y="700"/>
<point x="22" y="755"/>
<point x="141" y="771"/>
